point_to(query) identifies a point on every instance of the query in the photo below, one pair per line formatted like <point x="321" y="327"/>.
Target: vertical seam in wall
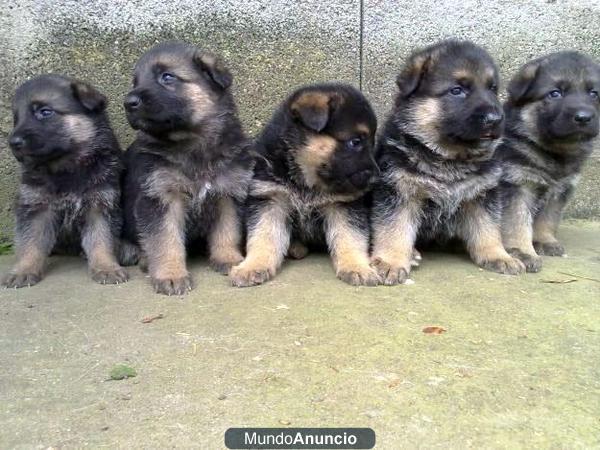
<point x="360" y="45"/>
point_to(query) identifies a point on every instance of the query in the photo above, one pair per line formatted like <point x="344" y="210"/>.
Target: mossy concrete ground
<point x="518" y="366"/>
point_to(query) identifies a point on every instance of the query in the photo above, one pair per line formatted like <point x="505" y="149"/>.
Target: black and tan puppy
<point x="188" y="168"/>
<point x="308" y="188"/>
<point x="439" y="181"/>
<point x="69" y="195"/>
<point x="552" y="119"/>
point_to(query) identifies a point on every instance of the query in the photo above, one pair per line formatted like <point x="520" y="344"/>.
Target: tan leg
<point x="98" y="244"/>
<point x="394" y="236"/>
<point x="268" y="242"/>
<point x="545" y="226"/>
<point x="225" y="237"/>
<point x="484" y="241"/>
<point x="165" y="251"/>
<point x="35" y="238"/>
<point x="349" y="248"/>
<point x="517" y="230"/>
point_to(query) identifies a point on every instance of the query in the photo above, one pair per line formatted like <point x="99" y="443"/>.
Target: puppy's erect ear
<point x="520" y="86"/>
<point x="313" y="109"/>
<point x="214" y="69"/>
<point x="409" y="79"/>
<point x="88" y="96"/>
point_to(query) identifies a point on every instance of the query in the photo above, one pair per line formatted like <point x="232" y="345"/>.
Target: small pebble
<point x="222" y="397"/>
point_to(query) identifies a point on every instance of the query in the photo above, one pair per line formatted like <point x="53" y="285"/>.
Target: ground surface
<point x="519" y="365"/>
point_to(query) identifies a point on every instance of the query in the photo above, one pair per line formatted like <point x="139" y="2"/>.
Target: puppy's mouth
<point x="489" y="136"/>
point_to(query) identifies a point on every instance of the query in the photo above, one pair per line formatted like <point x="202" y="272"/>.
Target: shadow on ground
<point x="518" y="365"/>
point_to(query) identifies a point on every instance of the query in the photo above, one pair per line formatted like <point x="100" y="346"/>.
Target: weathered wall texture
<point x="273" y="46"/>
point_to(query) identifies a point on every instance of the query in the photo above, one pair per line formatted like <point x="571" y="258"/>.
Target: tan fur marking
<point x="425" y="114"/>
<point x="30" y="259"/>
<point x="315" y="100"/>
<point x="80" y="128"/>
<point x="33" y="244"/>
<point x="268" y="241"/>
<point x="97" y="242"/>
<point x="349" y="247"/>
<point x="482" y="235"/>
<point x="315" y="154"/>
<point x="463" y="75"/>
<point x="225" y="237"/>
<point x="201" y="102"/>
<point x="394" y="239"/>
<point x="363" y="128"/>
<point x="517" y="225"/>
<point x="166" y="249"/>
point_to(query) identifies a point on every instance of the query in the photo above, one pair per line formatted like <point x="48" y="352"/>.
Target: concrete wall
<point x="273" y="46"/>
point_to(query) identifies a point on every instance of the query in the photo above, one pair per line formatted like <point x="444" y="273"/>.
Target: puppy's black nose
<point x="16" y="142"/>
<point x="492" y="118"/>
<point x="583" y="117"/>
<point x="132" y="102"/>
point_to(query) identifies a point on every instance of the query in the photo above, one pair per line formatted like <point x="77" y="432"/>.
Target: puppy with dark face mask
<point x="552" y="121"/>
<point x="439" y="181"/>
<point x="315" y="166"/>
<point x="188" y="169"/>
<point x="69" y="196"/>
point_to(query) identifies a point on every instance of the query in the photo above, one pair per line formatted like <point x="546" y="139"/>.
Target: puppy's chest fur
<point x="527" y="165"/>
<point x="195" y="183"/>
<point x="442" y="186"/>
<point x="306" y="207"/>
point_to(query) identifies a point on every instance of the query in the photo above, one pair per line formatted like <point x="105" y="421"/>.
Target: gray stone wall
<point x="274" y="46"/>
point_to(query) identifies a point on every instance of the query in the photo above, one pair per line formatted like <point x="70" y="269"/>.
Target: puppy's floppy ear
<point x="520" y="86"/>
<point x="213" y="68"/>
<point x="313" y="109"/>
<point x="412" y="74"/>
<point x="88" y="96"/>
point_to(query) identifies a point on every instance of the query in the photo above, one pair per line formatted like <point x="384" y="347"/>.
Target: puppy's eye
<point x="458" y="91"/>
<point x="354" y="144"/>
<point x="167" y="78"/>
<point x="556" y="93"/>
<point x="594" y="94"/>
<point x="43" y="113"/>
<point x="494" y="88"/>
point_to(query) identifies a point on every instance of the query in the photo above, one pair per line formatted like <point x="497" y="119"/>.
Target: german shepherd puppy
<point x="439" y="181"/>
<point x="188" y="169"/>
<point x="552" y="120"/>
<point x="315" y="165"/>
<point x="69" y="195"/>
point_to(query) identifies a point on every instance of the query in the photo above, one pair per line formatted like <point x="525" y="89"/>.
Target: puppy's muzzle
<point x="132" y="102"/>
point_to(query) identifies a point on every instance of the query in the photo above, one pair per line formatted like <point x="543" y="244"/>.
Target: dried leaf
<point x="151" y="319"/>
<point x="434" y="330"/>
<point x="285" y="422"/>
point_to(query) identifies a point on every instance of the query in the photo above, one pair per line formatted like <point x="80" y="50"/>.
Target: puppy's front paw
<point x="173" y="286"/>
<point x="389" y="274"/>
<point x="245" y="276"/>
<point x="117" y="275"/>
<point x="533" y="263"/>
<point x="549" y="248"/>
<point x="359" y="276"/>
<point x="508" y="266"/>
<point x="19" y="280"/>
<point x="224" y="265"/>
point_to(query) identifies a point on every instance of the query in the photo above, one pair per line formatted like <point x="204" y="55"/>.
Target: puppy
<point x="552" y="121"/>
<point x="439" y="181"/>
<point x="309" y="185"/>
<point x="188" y="169"/>
<point x="68" y="199"/>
